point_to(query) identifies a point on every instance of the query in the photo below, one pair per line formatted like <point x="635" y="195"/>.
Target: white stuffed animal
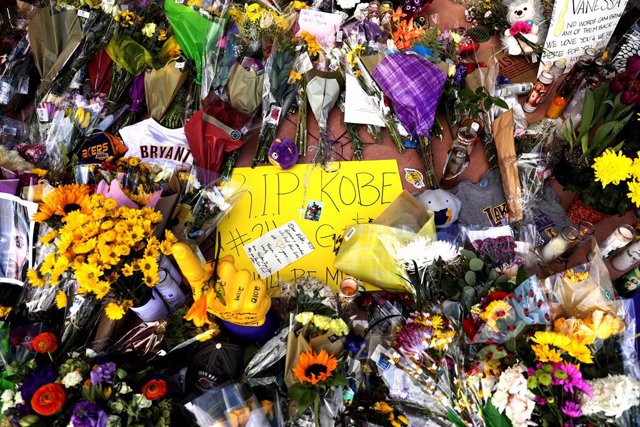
<point x="524" y="16"/>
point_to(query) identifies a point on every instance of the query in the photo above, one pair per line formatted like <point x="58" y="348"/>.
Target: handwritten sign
<point x="278" y="248"/>
<point x="580" y="24"/>
<point x="321" y="24"/>
<point x="355" y="194"/>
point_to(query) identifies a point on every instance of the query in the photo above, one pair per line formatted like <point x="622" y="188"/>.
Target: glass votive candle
<point x="558" y="245"/>
<point x="620" y="238"/>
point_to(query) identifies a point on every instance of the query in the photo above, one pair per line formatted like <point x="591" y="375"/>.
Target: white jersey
<point x="156" y="144"/>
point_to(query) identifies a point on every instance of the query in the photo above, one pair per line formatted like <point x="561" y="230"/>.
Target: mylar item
<point x="246" y="302"/>
<point x="192" y="31"/>
<point x="53" y="37"/>
<point x="129" y="54"/>
<point x="414" y="86"/>
<point x="245" y="89"/>
<point x="161" y="87"/>
<point x="323" y="91"/>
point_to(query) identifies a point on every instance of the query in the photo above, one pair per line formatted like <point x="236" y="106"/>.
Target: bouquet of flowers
<point x="83" y="390"/>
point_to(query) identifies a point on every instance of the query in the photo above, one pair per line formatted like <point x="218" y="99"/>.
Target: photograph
<point x="16" y="238"/>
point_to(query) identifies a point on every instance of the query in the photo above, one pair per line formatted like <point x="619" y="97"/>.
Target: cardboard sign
<point x="580" y="24"/>
<point x="354" y="194"/>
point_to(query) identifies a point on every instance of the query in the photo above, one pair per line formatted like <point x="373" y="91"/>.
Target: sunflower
<point x="495" y="311"/>
<point x="64" y="200"/>
<point x="315" y="367"/>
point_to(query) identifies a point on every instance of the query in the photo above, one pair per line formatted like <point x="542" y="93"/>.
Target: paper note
<point x="358" y="107"/>
<point x="322" y="25"/>
<point x="278" y="248"/>
<point x="356" y="193"/>
<point x="579" y="24"/>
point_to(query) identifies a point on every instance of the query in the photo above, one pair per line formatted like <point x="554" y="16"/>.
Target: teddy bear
<point x="525" y="17"/>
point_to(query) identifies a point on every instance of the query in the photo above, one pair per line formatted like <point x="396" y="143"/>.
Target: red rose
<point x="46" y="342"/>
<point x="497" y="295"/>
<point x="469" y="328"/>
<point x="48" y="399"/>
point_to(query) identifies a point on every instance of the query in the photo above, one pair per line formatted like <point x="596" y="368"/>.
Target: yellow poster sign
<point x="321" y="203"/>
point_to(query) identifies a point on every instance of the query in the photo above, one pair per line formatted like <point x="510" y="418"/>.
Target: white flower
<point x="17" y="399"/>
<point x="513" y="397"/>
<point x="72" y="379"/>
<point x="361" y="11"/>
<point x="113" y="421"/>
<point x="124" y="389"/>
<point x="266" y="20"/>
<point x="488" y="14"/>
<point x="7" y="400"/>
<point x="141" y="401"/>
<point x="611" y="395"/>
<point x="304" y="318"/>
<point x="347" y="4"/>
<point x="149" y="30"/>
<point x="90" y="353"/>
<point x="425" y="252"/>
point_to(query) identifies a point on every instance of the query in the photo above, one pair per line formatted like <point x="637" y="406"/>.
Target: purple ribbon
<point x="136" y="93"/>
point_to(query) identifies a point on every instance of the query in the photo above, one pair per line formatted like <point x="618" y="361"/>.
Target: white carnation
<point x="611" y="395"/>
<point x="17" y="399"/>
<point x="513" y="397"/>
<point x="124" y="389"/>
<point x="72" y="379"/>
<point x="425" y="252"/>
<point x="348" y="4"/>
<point x="7" y="400"/>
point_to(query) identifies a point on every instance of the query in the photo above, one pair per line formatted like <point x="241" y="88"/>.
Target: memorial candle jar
<point x="558" y="245"/>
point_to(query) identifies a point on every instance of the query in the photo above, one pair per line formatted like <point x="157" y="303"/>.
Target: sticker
<point x="414" y="177"/>
<point x="339" y="36"/>
<point x="84" y="14"/>
<point x="274" y="115"/>
<point x="43" y="114"/>
<point x="9" y="130"/>
<point x="350" y="233"/>
<point x="314" y="210"/>
<point x="235" y="135"/>
<point x="180" y="65"/>
<point x="180" y="1"/>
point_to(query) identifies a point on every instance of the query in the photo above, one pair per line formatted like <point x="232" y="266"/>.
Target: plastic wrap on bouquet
<point x="232" y="404"/>
<point x="270" y="353"/>
<point x="80" y="317"/>
<point x="204" y="200"/>
<point x="128" y="54"/>
<point x="142" y="341"/>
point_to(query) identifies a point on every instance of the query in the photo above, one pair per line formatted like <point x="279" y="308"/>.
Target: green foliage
<point x="494" y="418"/>
<point x="475" y="103"/>
<point x="611" y="200"/>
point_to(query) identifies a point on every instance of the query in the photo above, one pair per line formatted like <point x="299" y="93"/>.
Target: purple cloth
<point x="136" y="93"/>
<point x="414" y="86"/>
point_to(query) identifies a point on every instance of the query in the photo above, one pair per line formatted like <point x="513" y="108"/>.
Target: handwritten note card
<point x="278" y="248"/>
<point x="579" y="24"/>
<point x="321" y="24"/>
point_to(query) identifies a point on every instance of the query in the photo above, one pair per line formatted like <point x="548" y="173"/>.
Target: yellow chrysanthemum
<point x="254" y="12"/>
<point x="4" y="311"/>
<point x="565" y="344"/>
<point x="382" y="408"/>
<point x="88" y="274"/>
<point x="634" y="192"/>
<point x="116" y="311"/>
<point x="110" y="204"/>
<point x="127" y="270"/>
<point x="635" y="168"/>
<point x="151" y="280"/>
<point x="544" y="353"/>
<point x="612" y="167"/>
<point x="148" y="265"/>
<point x="61" y="300"/>
<point x="86" y="246"/>
<point x="99" y="213"/>
<point x="294" y="76"/>
<point x="47" y="264"/>
<point x="298" y="5"/>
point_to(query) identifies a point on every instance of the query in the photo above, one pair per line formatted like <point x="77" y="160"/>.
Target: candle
<point x="626" y="259"/>
<point x="558" y="245"/>
<point x="620" y="237"/>
<point x="349" y="287"/>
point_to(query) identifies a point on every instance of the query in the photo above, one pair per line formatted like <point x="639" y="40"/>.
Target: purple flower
<point x="571" y="409"/>
<point x="87" y="414"/>
<point x="573" y="381"/>
<point x="36" y="379"/>
<point x="136" y="93"/>
<point x="103" y="373"/>
<point x="540" y="401"/>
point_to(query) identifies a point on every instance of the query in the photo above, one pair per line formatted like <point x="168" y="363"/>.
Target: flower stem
<point x="316" y="410"/>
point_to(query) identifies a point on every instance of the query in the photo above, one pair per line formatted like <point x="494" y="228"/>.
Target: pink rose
<point x="519" y="27"/>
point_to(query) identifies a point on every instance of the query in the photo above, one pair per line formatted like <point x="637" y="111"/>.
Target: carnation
<point x="141" y="401"/>
<point x="612" y="395"/>
<point x="305" y="317"/>
<point x="513" y="397"/>
<point x="7" y="400"/>
<point x="72" y="379"/>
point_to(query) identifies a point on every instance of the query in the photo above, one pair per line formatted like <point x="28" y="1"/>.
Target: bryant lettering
<point x="180" y="154"/>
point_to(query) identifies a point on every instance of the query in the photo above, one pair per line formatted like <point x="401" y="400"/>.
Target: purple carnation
<point x="36" y="379"/>
<point x="572" y="409"/>
<point x="103" y="373"/>
<point x="87" y="414"/>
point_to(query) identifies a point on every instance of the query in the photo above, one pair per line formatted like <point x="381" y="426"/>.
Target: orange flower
<point x="63" y="200"/>
<point x="398" y="15"/>
<point x="154" y="389"/>
<point x="48" y="399"/>
<point x="314" y="367"/>
<point x="46" y="342"/>
<point x="198" y="311"/>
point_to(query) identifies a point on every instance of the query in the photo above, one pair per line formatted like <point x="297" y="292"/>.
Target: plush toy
<point x="283" y="153"/>
<point x="525" y="17"/>
<point x="446" y="208"/>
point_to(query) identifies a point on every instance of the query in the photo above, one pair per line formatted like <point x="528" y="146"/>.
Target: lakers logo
<point x="414" y="177"/>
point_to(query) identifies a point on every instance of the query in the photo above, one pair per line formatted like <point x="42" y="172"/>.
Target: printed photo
<point x="314" y="210"/>
<point x="16" y="238"/>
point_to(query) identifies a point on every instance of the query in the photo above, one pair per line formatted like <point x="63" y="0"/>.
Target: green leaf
<point x="587" y="112"/>
<point x="487" y="103"/>
<point x="476" y="264"/>
<point x="500" y="103"/>
<point x="493" y="417"/>
<point x="337" y="380"/>
<point x="601" y="135"/>
<point x="470" y="278"/>
<point x="454" y="419"/>
<point x="468" y="254"/>
<point x="521" y="276"/>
